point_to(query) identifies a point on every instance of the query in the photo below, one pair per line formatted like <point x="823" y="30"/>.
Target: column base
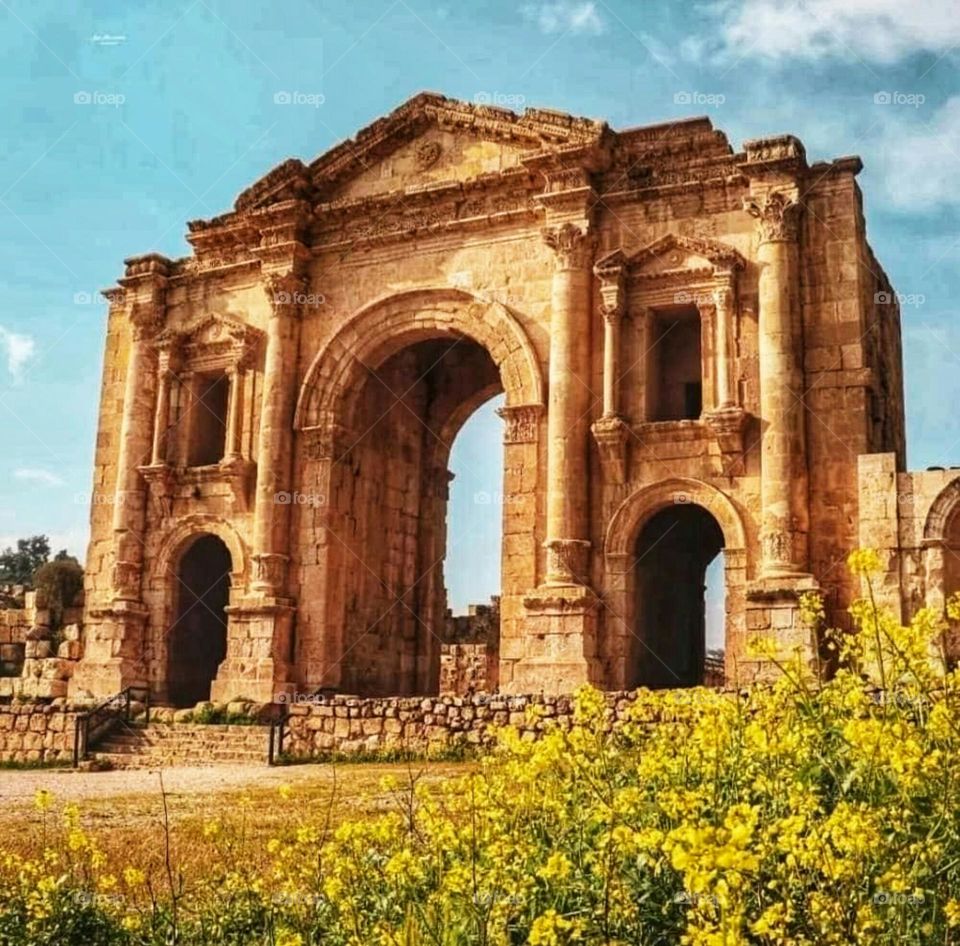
<point x="257" y="666"/>
<point x="773" y="613"/>
<point x="560" y="641"/>
<point x="112" y="652"/>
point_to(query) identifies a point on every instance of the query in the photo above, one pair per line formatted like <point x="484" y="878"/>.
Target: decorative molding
<point x="611" y="271"/>
<point x="209" y="343"/>
<point x="521" y="422"/>
<point x="161" y="480"/>
<point x="777" y="216"/>
<point x="284" y="290"/>
<point x="612" y="435"/>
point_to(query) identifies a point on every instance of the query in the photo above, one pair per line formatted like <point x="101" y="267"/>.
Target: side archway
<point x="167" y="578"/>
<point x="688" y="521"/>
<point x="941" y="560"/>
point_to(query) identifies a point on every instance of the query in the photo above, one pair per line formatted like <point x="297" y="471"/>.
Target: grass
<point x="130" y="828"/>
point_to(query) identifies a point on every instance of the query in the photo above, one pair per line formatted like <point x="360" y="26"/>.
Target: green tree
<point x="18" y="565"/>
<point x="58" y="583"/>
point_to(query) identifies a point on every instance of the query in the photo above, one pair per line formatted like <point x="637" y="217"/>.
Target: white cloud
<point x="34" y="475"/>
<point x="563" y="16"/>
<point x="920" y="156"/>
<point x="877" y="30"/>
<point x="19" y="350"/>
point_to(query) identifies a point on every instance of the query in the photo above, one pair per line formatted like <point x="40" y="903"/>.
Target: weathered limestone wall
<point x="13" y="635"/>
<point x="347" y="724"/>
<point x="36" y="732"/>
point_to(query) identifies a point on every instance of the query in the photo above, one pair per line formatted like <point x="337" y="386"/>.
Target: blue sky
<point x="122" y="122"/>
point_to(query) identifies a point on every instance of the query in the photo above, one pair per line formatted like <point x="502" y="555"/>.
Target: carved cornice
<point x="573" y="246"/>
<point x="777" y="216"/>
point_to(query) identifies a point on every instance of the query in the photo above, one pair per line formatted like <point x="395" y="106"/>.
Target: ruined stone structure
<point x="698" y="352"/>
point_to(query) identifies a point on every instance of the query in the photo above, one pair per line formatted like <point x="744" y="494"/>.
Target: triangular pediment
<point x="209" y="330"/>
<point x="426" y="140"/>
<point x="672" y="253"/>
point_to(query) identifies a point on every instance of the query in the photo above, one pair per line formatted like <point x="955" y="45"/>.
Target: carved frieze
<point x="612" y="436"/>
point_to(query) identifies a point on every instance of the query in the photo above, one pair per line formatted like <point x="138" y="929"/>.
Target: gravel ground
<point x="17" y="786"/>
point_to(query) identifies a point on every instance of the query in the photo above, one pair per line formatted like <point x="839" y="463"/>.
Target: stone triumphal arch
<point x="698" y="353"/>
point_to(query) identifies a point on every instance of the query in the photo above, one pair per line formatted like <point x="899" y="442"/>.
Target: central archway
<point x="377" y="415"/>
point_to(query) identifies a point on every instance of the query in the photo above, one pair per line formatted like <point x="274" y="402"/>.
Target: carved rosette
<point x="611" y="435"/>
<point x="567" y="561"/>
<point x="521" y="423"/>
<point x="285" y="292"/>
<point x="777" y="216"/>
<point x="573" y="246"/>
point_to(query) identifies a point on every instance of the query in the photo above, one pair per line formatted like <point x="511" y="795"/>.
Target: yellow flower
<point x="43" y="799"/>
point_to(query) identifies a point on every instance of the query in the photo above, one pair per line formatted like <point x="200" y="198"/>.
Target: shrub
<point x="803" y="812"/>
<point x="58" y="583"/>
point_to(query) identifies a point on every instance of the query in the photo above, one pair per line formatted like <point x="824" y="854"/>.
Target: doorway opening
<point x="197" y="642"/>
<point x="672" y="555"/>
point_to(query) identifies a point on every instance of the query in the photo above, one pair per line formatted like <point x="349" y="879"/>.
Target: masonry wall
<point x="36" y="732"/>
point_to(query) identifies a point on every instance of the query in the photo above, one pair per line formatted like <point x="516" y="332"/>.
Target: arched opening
<point x="951" y="584"/>
<point x="672" y="554"/>
<point x="389" y="520"/>
<point x="197" y="642"/>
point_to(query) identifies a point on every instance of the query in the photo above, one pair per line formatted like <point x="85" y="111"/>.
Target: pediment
<point x="211" y="338"/>
<point x="673" y="253"/>
<point x="426" y="140"/>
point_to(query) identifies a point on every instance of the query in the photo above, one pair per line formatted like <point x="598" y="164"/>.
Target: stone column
<point x="274" y="452"/>
<point x="783" y="531"/>
<point x="161" y="419"/>
<point x="569" y="406"/>
<point x="136" y="448"/>
<point x="231" y="452"/>
<point x="723" y="306"/>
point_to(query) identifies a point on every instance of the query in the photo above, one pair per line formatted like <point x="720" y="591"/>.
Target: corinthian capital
<point x="147" y="319"/>
<point x="285" y="291"/>
<point x="777" y="216"/>
<point x="572" y="245"/>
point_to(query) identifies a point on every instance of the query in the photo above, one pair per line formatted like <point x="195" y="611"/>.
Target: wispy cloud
<point x="882" y="31"/>
<point x="18" y="350"/>
<point x="920" y="157"/>
<point x="35" y="475"/>
<point x="562" y="16"/>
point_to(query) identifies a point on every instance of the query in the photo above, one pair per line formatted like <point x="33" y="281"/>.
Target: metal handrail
<point x="277" y="732"/>
<point x="95" y="721"/>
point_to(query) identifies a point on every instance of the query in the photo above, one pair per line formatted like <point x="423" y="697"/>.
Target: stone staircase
<point x="161" y="745"/>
